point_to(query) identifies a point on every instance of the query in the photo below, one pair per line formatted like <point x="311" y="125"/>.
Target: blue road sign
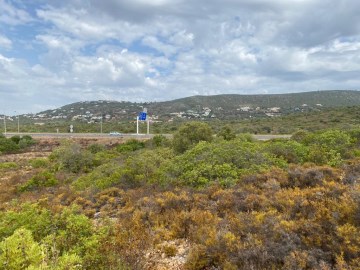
<point x="142" y="116"/>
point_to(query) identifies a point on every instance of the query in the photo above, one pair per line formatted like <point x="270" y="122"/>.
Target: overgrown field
<point x="197" y="201"/>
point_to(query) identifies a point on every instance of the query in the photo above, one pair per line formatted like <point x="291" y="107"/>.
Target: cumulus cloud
<point x="159" y="50"/>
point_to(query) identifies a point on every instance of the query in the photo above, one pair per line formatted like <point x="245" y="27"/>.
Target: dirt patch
<point x="49" y="144"/>
<point x="168" y="255"/>
<point x="23" y="156"/>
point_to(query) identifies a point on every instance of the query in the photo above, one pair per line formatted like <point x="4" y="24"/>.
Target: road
<point x="106" y="135"/>
<point x="270" y="136"/>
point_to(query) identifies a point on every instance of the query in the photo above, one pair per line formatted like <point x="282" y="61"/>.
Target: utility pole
<point x="18" y="122"/>
<point x="101" y="123"/>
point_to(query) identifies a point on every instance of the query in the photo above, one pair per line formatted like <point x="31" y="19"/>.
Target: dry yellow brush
<point x="222" y="203"/>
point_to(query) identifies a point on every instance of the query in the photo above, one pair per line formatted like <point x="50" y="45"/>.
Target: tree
<point x="227" y="133"/>
<point x="190" y="134"/>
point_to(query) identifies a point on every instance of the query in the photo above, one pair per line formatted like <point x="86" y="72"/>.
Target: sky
<point x="53" y="53"/>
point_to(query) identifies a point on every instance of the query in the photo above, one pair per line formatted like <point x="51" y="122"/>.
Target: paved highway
<point x="270" y="136"/>
<point x="127" y="135"/>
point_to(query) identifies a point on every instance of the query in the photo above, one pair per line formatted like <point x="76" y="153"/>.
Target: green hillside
<point x="219" y="106"/>
<point x="336" y="98"/>
<point x="283" y="113"/>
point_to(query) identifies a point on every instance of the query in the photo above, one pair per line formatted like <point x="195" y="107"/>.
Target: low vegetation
<point x="14" y="144"/>
<point x="209" y="202"/>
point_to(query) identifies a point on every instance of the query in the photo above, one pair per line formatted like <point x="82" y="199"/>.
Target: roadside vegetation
<point x="344" y="118"/>
<point x="14" y="144"/>
<point x="232" y="201"/>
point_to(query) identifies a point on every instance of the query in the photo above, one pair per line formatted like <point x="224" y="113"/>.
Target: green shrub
<point x="328" y="147"/>
<point x="29" y="216"/>
<point x="16" y="139"/>
<point x="42" y="179"/>
<point x="39" y="162"/>
<point x="245" y="137"/>
<point x="104" y="176"/>
<point x="26" y="141"/>
<point x="8" y="146"/>
<point x="355" y="136"/>
<point x="159" y="140"/>
<point x="20" y="251"/>
<point x="136" y="169"/>
<point x="8" y="165"/>
<point x="72" y="158"/>
<point x="227" y="133"/>
<point x="33" y="237"/>
<point x="130" y="146"/>
<point x="189" y="134"/>
<point x="336" y="140"/>
<point x="96" y="148"/>
<point x="299" y="135"/>
<point x="103" y="157"/>
<point x="223" y="162"/>
<point x="289" y="150"/>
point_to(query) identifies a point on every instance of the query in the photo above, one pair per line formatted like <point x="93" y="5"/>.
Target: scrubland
<point x="196" y="201"/>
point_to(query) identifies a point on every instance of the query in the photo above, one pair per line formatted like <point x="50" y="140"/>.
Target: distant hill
<point x="220" y="106"/>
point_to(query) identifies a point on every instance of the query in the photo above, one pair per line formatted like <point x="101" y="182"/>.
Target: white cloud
<point x="5" y="42"/>
<point x="85" y="26"/>
<point x="12" y="15"/>
<point x="162" y="49"/>
<point x="182" y="39"/>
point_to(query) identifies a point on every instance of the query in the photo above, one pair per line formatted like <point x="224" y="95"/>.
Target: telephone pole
<point x="101" y="123"/>
<point x="18" y="122"/>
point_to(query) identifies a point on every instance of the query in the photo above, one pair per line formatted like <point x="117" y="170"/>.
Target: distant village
<point x="94" y="114"/>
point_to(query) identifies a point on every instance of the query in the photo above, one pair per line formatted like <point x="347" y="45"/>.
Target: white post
<point x="101" y="130"/>
<point x="137" y="125"/>
<point x="148" y="125"/>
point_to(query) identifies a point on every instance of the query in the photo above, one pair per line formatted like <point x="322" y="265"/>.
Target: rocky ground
<point x="168" y="255"/>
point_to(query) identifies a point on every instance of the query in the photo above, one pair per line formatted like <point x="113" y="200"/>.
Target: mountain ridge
<point x="224" y="106"/>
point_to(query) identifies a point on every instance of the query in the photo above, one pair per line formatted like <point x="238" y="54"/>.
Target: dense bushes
<point x="223" y="162"/>
<point x="225" y="203"/>
<point x="42" y="179"/>
<point x="130" y="146"/>
<point x="14" y="144"/>
<point x="36" y="238"/>
<point x="73" y="158"/>
<point x="8" y="146"/>
<point x="130" y="171"/>
<point x="190" y="134"/>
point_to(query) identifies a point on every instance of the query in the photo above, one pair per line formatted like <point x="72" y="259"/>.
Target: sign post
<point x="137" y="125"/>
<point x="148" y="126"/>
<point x="141" y="117"/>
